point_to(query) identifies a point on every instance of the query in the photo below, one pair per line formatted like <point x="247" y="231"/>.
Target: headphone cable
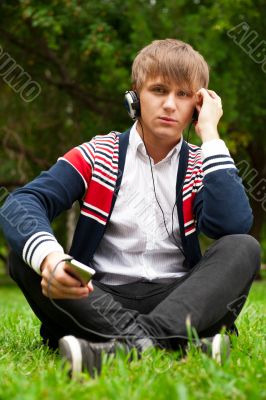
<point x="178" y="243"/>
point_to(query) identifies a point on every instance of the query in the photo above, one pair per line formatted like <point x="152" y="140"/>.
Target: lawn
<point x="29" y="370"/>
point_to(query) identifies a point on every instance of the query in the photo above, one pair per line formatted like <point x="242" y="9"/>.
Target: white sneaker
<point x="81" y="354"/>
<point x="218" y="347"/>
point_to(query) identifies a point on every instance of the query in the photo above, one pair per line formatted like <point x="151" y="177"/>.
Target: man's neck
<point x="157" y="153"/>
<point x="157" y="149"/>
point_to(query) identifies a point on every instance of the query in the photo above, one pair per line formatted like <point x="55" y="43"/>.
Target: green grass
<point x="29" y="370"/>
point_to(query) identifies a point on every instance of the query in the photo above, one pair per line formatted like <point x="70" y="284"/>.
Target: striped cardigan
<point x="210" y="198"/>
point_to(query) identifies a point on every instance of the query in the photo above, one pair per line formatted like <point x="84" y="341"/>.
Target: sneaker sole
<point x="70" y="350"/>
<point x="220" y="348"/>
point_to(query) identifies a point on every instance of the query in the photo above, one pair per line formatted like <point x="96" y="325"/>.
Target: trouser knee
<point x="12" y="264"/>
<point x="17" y="268"/>
<point x="246" y="252"/>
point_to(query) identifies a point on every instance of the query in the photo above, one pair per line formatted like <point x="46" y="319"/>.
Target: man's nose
<point x="169" y="102"/>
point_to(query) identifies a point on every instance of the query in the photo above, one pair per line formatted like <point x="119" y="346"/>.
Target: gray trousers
<point x="210" y="296"/>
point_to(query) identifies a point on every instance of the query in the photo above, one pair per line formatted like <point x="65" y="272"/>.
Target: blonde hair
<point x="173" y="60"/>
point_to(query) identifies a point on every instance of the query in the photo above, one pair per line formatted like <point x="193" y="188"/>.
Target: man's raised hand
<point x="209" y="107"/>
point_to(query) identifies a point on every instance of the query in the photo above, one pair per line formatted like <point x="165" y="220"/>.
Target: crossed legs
<point x="211" y="295"/>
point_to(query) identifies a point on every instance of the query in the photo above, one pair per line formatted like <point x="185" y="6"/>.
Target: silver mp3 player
<point x="80" y="271"/>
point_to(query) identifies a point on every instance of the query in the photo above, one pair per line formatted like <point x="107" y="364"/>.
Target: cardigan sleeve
<point x="221" y="206"/>
<point x="27" y="213"/>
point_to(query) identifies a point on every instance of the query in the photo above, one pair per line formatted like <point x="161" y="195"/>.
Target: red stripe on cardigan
<point x="99" y="196"/>
<point x="188" y="211"/>
<point x="76" y="159"/>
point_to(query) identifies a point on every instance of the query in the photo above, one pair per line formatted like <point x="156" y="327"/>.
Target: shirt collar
<point x="137" y="145"/>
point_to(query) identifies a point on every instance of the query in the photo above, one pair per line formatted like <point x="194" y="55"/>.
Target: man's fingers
<point x="90" y="287"/>
<point x="215" y="97"/>
<point x="66" y="279"/>
<point x="212" y="93"/>
<point x="57" y="293"/>
<point x="61" y="276"/>
<point x="205" y="97"/>
<point x="207" y="93"/>
<point x="55" y="285"/>
<point x="202" y="93"/>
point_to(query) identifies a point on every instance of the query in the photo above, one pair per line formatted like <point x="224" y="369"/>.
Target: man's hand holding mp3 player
<point x="63" y="283"/>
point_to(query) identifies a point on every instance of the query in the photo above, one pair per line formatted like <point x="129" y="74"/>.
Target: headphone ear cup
<point x="132" y="104"/>
<point x="195" y="115"/>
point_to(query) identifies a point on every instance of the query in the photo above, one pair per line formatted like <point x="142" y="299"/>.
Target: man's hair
<point x="173" y="60"/>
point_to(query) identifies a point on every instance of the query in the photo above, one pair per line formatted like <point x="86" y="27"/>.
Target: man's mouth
<point x="168" y="120"/>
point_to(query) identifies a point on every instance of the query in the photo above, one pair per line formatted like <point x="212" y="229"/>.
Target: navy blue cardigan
<point x="210" y="199"/>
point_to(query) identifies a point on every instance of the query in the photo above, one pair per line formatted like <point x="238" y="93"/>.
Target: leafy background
<point x="80" y="52"/>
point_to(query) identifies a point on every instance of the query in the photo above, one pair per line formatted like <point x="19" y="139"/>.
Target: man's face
<point x="166" y="109"/>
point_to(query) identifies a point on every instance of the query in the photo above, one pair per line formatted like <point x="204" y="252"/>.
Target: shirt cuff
<point x="215" y="156"/>
<point x="214" y="147"/>
<point x="37" y="247"/>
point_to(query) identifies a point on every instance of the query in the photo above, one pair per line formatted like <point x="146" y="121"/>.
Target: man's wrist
<point x="209" y="134"/>
<point x="51" y="257"/>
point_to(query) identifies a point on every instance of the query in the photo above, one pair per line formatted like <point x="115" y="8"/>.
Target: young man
<point x="145" y="195"/>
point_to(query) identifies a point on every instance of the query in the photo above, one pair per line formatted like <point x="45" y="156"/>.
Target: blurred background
<point x="65" y="65"/>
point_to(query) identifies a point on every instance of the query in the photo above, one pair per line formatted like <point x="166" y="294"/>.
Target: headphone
<point x="132" y="104"/>
<point x="195" y="115"/>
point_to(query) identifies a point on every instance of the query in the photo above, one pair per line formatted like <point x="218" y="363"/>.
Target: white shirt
<point x="136" y="245"/>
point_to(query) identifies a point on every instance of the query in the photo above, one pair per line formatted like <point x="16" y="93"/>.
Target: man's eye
<point x="159" y="89"/>
<point x="182" y="93"/>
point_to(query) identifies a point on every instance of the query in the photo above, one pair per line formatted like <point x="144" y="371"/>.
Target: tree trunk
<point x="257" y="156"/>
<point x="72" y="216"/>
